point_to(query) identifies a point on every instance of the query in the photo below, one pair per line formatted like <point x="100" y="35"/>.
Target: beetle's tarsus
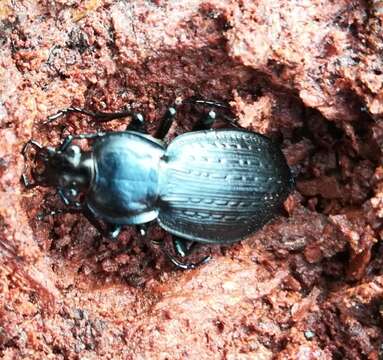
<point x="185" y="266"/>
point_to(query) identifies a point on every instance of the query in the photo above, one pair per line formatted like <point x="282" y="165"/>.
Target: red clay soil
<point x="308" y="74"/>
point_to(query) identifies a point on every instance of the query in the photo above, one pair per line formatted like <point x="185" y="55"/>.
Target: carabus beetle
<point x="207" y="186"/>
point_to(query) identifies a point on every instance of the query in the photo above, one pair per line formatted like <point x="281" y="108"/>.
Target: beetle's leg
<point x="206" y="102"/>
<point x="112" y="231"/>
<point x="68" y="210"/>
<point x="166" y="123"/>
<point x="68" y="140"/>
<point x="143" y="229"/>
<point x="181" y="265"/>
<point x="72" y="206"/>
<point x="94" y="221"/>
<point x="137" y="123"/>
<point x="215" y="104"/>
<point x="183" y="247"/>
<point x="205" y="122"/>
<point x="97" y="115"/>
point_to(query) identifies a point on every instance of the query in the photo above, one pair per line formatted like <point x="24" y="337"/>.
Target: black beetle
<point x="207" y="186"/>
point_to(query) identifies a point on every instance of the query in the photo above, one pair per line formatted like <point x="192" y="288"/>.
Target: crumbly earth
<point x="308" y="74"/>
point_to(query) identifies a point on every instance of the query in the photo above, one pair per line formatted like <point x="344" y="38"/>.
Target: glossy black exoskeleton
<point x="208" y="186"/>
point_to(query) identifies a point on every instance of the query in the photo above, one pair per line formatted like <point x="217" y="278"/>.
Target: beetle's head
<point x="70" y="170"/>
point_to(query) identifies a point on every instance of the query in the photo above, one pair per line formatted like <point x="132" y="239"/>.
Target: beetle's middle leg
<point x="181" y="250"/>
<point x="182" y="265"/>
<point x="183" y="247"/>
<point x="165" y="123"/>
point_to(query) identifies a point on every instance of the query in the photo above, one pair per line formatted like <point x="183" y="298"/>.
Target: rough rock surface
<point x="309" y="285"/>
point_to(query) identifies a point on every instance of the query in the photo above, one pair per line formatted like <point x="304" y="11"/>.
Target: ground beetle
<point x="207" y="186"/>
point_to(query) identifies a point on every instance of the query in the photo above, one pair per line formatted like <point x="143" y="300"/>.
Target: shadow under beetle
<point x="206" y="186"/>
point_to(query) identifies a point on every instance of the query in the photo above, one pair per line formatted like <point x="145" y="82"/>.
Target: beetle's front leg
<point x="69" y="139"/>
<point x="71" y="205"/>
<point x="96" y="115"/>
<point x="111" y="231"/>
<point x="68" y="210"/>
<point x="137" y="123"/>
<point x="74" y="207"/>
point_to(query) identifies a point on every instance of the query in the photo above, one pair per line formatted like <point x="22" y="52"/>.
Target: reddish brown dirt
<point x="309" y="285"/>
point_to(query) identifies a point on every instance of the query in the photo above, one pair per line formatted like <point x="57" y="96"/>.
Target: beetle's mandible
<point x="207" y="186"/>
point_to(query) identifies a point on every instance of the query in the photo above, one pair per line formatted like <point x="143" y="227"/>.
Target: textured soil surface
<point x="308" y="74"/>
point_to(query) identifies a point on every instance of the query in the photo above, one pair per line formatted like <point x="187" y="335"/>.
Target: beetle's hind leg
<point x="206" y="121"/>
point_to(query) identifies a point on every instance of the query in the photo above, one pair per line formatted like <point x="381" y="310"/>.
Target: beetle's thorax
<point x="124" y="188"/>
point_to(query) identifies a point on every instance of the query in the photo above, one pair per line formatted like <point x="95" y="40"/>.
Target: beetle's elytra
<point x="209" y="186"/>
